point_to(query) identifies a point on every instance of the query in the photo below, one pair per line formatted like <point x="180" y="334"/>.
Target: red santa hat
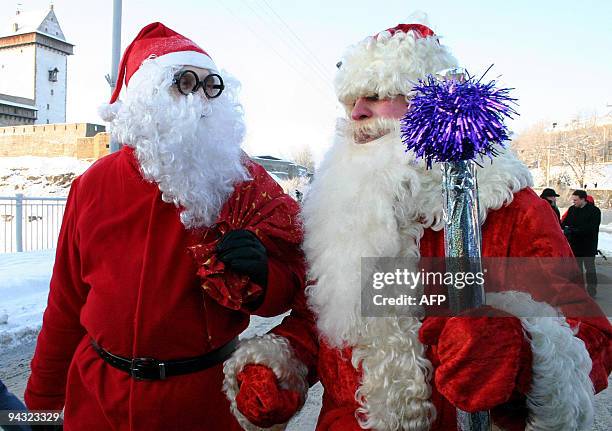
<point x="390" y="62"/>
<point x="167" y="47"/>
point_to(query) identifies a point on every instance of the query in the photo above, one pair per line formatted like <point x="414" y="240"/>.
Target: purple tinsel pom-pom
<point x="452" y="121"/>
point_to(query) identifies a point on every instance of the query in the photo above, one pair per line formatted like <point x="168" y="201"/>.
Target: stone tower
<point x="33" y="66"/>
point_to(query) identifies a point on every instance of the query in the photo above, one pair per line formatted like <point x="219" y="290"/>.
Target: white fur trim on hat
<point x="275" y="352"/>
<point x="108" y="111"/>
<point x="562" y="394"/>
<point x="388" y="65"/>
<point x="187" y="58"/>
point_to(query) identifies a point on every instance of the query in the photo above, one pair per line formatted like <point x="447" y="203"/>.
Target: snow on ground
<point x="24" y="287"/>
<point x="605" y="243"/>
<point x="39" y="176"/>
<point x="599" y="173"/>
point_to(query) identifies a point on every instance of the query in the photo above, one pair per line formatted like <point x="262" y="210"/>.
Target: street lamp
<point x="116" y="53"/>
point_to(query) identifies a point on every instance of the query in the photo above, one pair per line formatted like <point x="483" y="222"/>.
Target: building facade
<point x="282" y="169"/>
<point x="34" y="68"/>
<point x="16" y="110"/>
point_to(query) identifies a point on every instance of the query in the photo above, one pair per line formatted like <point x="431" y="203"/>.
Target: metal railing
<point x="29" y="223"/>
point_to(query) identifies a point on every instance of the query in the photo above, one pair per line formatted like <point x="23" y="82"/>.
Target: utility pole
<point x="116" y="54"/>
<point x="605" y="143"/>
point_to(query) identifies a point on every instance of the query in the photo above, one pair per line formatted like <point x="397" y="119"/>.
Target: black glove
<point x="244" y="253"/>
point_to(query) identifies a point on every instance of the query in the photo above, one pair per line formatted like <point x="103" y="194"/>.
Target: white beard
<point x="188" y="145"/>
<point x="362" y="204"/>
<point x="376" y="200"/>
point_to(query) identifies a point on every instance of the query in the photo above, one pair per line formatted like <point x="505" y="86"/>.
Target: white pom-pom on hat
<point x="108" y="111"/>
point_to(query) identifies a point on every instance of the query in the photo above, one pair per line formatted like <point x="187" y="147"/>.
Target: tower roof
<point x="41" y="21"/>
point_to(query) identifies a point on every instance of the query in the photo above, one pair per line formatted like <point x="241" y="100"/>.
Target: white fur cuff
<point x="270" y="350"/>
<point x="562" y="394"/>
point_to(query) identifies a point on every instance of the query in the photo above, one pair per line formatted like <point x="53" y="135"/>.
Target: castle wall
<point x="80" y="140"/>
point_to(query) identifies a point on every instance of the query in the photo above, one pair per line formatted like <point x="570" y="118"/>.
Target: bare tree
<point x="579" y="149"/>
<point x="303" y="157"/>
<point x="530" y="145"/>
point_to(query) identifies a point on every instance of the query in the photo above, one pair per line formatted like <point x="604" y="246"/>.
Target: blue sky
<point x="556" y="54"/>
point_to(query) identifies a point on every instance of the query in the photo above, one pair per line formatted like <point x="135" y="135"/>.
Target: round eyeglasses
<point x="188" y="82"/>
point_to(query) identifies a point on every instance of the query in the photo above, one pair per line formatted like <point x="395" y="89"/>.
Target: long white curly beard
<point x="371" y="200"/>
<point x="367" y="200"/>
<point x="188" y="145"/>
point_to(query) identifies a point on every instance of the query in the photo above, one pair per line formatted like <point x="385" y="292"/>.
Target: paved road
<point x="15" y="365"/>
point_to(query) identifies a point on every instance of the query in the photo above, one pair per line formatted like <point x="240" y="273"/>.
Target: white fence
<point x="29" y="223"/>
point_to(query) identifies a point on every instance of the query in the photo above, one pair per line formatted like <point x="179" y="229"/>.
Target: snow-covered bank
<point x="24" y="287"/>
<point x="605" y="242"/>
<point x="39" y="176"/>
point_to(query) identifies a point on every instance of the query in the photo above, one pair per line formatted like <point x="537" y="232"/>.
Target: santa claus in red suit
<point x="370" y="199"/>
<point x="166" y="248"/>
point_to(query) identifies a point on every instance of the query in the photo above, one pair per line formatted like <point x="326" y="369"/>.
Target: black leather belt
<point x="153" y="369"/>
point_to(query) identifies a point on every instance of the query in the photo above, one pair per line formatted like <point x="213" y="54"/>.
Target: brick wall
<point x="80" y="140"/>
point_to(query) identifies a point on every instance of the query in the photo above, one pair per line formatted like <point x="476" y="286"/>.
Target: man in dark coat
<point x="581" y="227"/>
<point x="550" y="195"/>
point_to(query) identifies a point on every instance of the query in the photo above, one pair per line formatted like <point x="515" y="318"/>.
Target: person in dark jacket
<point x="551" y="196"/>
<point x="581" y="227"/>
<point x="8" y="401"/>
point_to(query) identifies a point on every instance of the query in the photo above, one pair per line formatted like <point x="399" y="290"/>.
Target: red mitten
<point x="261" y="399"/>
<point x="483" y="357"/>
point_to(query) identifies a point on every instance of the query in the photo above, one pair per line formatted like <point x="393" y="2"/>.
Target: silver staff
<point x="462" y="246"/>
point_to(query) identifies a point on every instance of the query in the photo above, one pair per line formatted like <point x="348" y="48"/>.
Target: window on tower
<point x="53" y="74"/>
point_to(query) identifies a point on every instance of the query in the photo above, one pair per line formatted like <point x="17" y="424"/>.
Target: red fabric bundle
<point x="261" y="207"/>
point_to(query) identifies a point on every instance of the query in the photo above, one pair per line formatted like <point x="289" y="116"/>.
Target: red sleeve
<point x="278" y="226"/>
<point x="300" y="329"/>
<point x="61" y="329"/>
<point x="284" y="280"/>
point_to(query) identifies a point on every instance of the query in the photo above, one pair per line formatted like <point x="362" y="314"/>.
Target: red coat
<point x="124" y="276"/>
<point x="522" y="229"/>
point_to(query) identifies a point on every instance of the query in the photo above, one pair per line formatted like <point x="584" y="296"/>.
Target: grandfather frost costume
<point x="139" y="274"/>
<point x="401" y="373"/>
